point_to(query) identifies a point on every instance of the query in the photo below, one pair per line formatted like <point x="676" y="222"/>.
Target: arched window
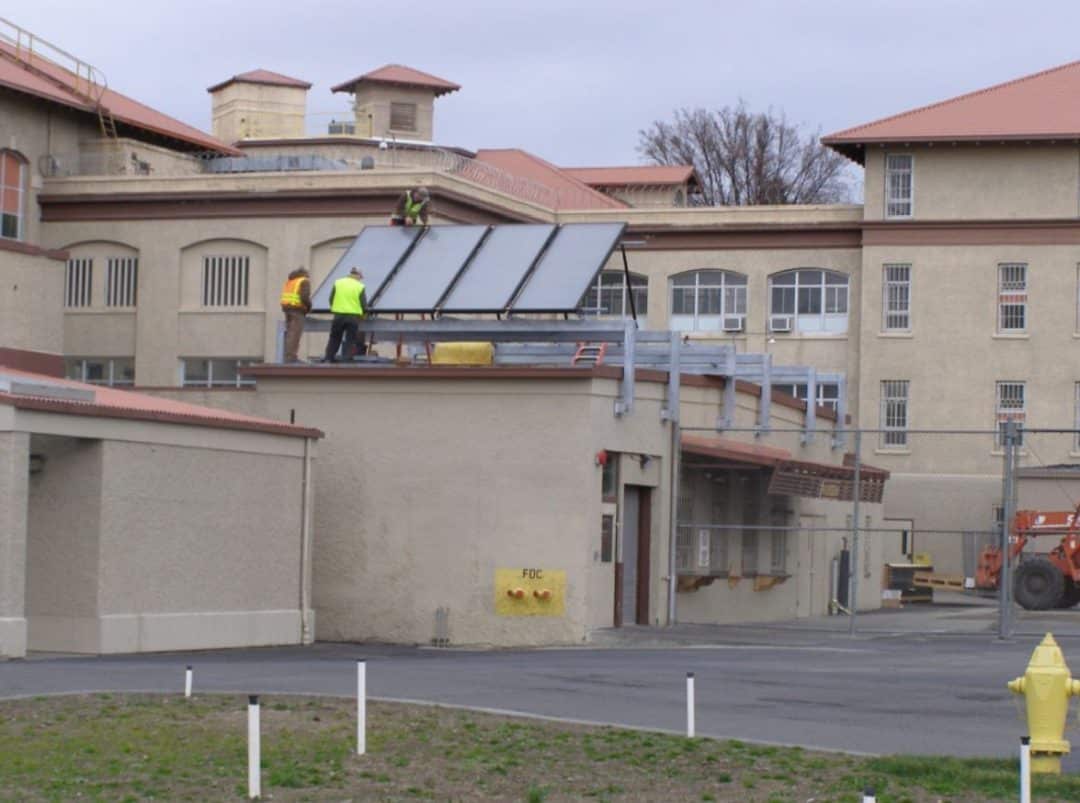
<point x="12" y="192"/>
<point x="708" y="301"/>
<point x="808" y="300"/>
<point x="607" y="295"/>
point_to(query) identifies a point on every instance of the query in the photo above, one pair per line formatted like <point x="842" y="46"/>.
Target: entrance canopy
<point x="791" y="477"/>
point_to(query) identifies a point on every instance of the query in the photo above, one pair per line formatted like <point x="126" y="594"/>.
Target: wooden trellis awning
<point x="792" y="477"/>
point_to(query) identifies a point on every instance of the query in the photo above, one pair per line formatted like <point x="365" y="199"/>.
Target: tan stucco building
<point x="946" y="300"/>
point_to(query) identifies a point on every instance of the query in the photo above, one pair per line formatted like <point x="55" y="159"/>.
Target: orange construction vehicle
<point x="1040" y="580"/>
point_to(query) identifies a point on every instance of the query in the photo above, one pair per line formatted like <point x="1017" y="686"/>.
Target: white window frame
<point x="225" y="282"/>
<point x="121" y="281"/>
<point x="730" y="289"/>
<point x="1076" y="416"/>
<point x="76" y="368"/>
<point x="1012" y="298"/>
<point x="1010" y="403"/>
<point x="79" y="283"/>
<point x="896" y="297"/>
<point x="239" y="381"/>
<point x="802" y="289"/>
<point x="20" y="190"/>
<point x="609" y="282"/>
<point x="895" y="413"/>
<point x="828" y="393"/>
<point x="895" y="185"/>
<point x="778" y="540"/>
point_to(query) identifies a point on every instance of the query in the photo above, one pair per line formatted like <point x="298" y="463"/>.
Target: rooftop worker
<point x="412" y="207"/>
<point x="296" y="304"/>
<point x="347" y="302"/>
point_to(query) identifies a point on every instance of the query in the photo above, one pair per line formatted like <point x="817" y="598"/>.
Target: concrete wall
<point x="972" y="182"/>
<point x="31" y="302"/>
<point x="14" y="465"/>
<point x="64" y="545"/>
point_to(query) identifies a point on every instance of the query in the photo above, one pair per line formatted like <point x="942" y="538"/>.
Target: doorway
<point x="632" y="569"/>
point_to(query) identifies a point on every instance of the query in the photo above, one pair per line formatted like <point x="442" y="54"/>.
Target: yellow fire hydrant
<point x="1047" y="686"/>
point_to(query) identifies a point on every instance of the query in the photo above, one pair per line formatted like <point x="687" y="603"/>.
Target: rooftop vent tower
<point x="259" y="105"/>
<point x="396" y="102"/>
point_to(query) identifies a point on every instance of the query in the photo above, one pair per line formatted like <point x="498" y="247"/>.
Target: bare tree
<point x="745" y="158"/>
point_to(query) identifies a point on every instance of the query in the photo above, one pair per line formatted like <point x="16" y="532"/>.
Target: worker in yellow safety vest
<point x="348" y="302"/>
<point x="412" y="207"/>
<point x="296" y="304"/>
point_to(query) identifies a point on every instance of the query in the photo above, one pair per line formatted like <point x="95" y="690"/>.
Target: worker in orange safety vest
<point x="296" y="304"/>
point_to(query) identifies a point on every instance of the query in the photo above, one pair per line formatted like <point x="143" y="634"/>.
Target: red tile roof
<point x="261" y="76"/>
<point x="573" y="193"/>
<point x="55" y="83"/>
<point x="115" y="403"/>
<point x="402" y="76"/>
<point x="1042" y="106"/>
<point x="636" y="175"/>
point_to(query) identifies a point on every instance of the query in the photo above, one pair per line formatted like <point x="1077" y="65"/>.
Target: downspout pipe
<point x="306" y="636"/>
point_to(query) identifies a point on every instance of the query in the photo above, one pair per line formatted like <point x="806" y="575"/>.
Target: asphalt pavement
<point x="889" y="689"/>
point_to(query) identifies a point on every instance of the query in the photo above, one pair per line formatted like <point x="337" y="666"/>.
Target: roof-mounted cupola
<point x="396" y="102"/>
<point x="259" y="105"/>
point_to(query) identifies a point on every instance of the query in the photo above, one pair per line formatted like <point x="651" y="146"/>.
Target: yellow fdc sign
<point x="530" y="592"/>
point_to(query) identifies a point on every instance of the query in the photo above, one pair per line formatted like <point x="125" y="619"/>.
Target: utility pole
<point x="1008" y="504"/>
<point x="853" y="564"/>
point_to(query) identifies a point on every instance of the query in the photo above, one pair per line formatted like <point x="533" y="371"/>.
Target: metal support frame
<point x="853" y="564"/>
<point x="839" y="439"/>
<point x="1008" y="502"/>
<point x="625" y="403"/>
<point x="811" y="406"/>
<point x="726" y="420"/>
<point x="670" y="412"/>
<point x="765" y="405"/>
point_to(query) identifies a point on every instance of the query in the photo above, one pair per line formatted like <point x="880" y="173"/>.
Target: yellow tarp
<point x="463" y="353"/>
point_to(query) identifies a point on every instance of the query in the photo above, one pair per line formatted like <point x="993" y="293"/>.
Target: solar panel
<point x="498" y="268"/>
<point x="568" y="267"/>
<point x="377" y="250"/>
<point x="429" y="269"/>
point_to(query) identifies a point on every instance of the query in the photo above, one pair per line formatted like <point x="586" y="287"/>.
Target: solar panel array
<point x="476" y="269"/>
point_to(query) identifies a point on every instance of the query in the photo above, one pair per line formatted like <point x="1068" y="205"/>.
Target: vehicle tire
<point x="1070" y="596"/>
<point x="1039" y="585"/>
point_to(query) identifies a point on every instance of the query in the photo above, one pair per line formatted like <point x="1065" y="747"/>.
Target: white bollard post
<point x="689" y="705"/>
<point x="187" y="681"/>
<point x="868" y="796"/>
<point x="254" y="790"/>
<point x="1025" y="769"/>
<point x="361" y="707"/>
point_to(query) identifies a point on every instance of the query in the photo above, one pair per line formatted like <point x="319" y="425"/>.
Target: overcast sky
<point x="572" y="81"/>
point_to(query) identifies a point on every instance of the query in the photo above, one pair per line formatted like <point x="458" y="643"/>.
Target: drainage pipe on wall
<point x="305" y="544"/>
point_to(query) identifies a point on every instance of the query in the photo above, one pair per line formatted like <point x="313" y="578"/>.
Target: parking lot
<point x="929" y="681"/>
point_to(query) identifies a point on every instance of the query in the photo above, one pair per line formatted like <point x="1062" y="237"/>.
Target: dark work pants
<point x="346" y="325"/>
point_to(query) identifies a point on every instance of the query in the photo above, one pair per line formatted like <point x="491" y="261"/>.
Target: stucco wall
<point x="14" y="457"/>
<point x="31" y="302"/>
<point x="64" y="545"/>
<point x="971" y="182"/>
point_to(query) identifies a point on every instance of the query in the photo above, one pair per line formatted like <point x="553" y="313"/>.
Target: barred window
<point x="403" y="116"/>
<point x="898" y="185"/>
<point x="1011" y="406"/>
<point x="112" y="371"/>
<point x="214" y="372"/>
<point x="121" y="281"/>
<point x="225" y="281"/>
<point x="896" y="300"/>
<point x="78" y="282"/>
<point x="1076" y="417"/>
<point x="778" y="552"/>
<point x="1012" y="297"/>
<point x="894" y="413"/>
<point x="607" y="295"/>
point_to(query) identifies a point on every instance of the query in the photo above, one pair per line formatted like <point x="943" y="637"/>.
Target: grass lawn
<point x="113" y="747"/>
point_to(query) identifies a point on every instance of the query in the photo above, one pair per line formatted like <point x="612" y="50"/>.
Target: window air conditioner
<point x="733" y="323"/>
<point x="780" y="323"/>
